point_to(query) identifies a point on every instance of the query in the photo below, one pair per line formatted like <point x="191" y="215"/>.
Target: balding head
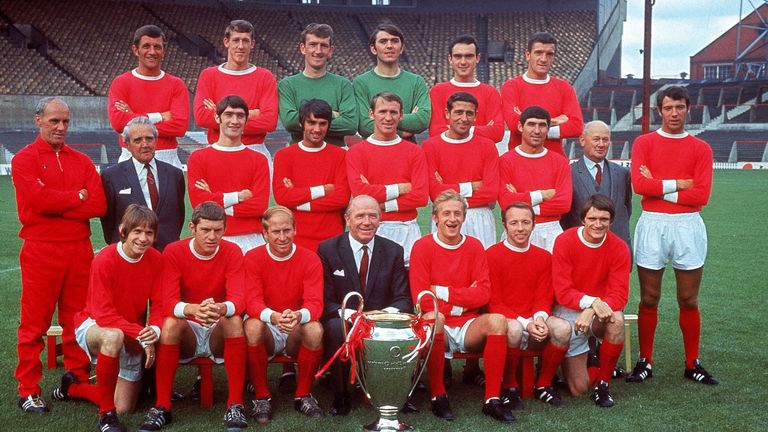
<point x="362" y="218"/>
<point x="595" y="140"/>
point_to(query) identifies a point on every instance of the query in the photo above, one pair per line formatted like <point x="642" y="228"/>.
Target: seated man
<point x="364" y="262"/>
<point x="284" y="302"/>
<point x="521" y="289"/>
<point x="111" y="329"/>
<point x="202" y="300"/>
<point x="453" y="266"/>
<point x="590" y="276"/>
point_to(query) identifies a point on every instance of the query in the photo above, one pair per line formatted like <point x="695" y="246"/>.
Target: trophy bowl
<point x="388" y="362"/>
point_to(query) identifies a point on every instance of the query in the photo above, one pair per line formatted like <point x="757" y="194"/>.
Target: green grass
<point x="732" y="301"/>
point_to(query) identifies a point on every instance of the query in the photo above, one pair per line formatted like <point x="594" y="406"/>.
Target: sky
<point x="680" y="29"/>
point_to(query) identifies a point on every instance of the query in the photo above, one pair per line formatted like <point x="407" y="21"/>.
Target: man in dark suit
<point x="593" y="173"/>
<point x="364" y="262"/>
<point x="144" y="180"/>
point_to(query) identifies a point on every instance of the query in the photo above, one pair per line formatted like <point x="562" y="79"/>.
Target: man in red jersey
<point x="311" y="178"/>
<point x="590" y="277"/>
<point x="151" y="92"/>
<point x="203" y="297"/>
<point x="521" y="290"/>
<point x="237" y="76"/>
<point x="537" y="87"/>
<point x="533" y="174"/>
<point x="391" y="170"/>
<point x="468" y="163"/>
<point x="57" y="193"/>
<point x="672" y="171"/>
<point x="463" y="57"/>
<point x="285" y="302"/>
<point x="112" y="328"/>
<point x="453" y="266"/>
<point x="236" y="179"/>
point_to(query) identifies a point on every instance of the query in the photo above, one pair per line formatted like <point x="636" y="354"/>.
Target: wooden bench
<point x="526" y="372"/>
<point x="53" y="349"/>
<point x="628" y="320"/>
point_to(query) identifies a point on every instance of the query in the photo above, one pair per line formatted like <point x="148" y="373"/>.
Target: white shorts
<point x="246" y="241"/>
<point x="403" y="233"/>
<point x="661" y="237"/>
<point x="455" y="338"/>
<point x="279" y="338"/>
<point x="579" y="342"/>
<point x="479" y="224"/>
<point x="543" y="235"/>
<point x="262" y="148"/>
<point x="131" y="364"/>
<point x="203" y="345"/>
<point x="170" y="156"/>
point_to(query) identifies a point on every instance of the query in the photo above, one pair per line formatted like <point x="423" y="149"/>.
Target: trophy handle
<point x="344" y="307"/>
<point x="430" y="334"/>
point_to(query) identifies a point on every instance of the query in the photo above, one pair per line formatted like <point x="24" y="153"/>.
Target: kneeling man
<point x="454" y="267"/>
<point x="284" y="302"/>
<point x="590" y="276"/>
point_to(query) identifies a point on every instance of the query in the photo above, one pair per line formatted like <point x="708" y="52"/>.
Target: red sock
<point x="609" y="355"/>
<point x="647" y="318"/>
<point x="436" y="365"/>
<point x="107" y="369"/>
<point x="690" y="325"/>
<point x="494" y="356"/>
<point x="551" y="357"/>
<point x="85" y="391"/>
<point x="510" y="368"/>
<point x="165" y="372"/>
<point x="257" y="365"/>
<point x="234" y="364"/>
<point x="308" y="361"/>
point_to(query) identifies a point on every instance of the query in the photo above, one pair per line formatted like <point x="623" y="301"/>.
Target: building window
<point x="718" y="71"/>
<point x="380" y="2"/>
<point x="310" y="1"/>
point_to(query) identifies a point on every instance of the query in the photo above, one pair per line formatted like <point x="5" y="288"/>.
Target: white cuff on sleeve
<point x="230" y="199"/>
<point x="537" y="210"/>
<point x="391" y="309"/>
<point x="457" y="310"/>
<point x="178" y="310"/>
<point x="155" y="117"/>
<point x="671" y="197"/>
<point x="465" y="189"/>
<point x="305" y="317"/>
<point x="524" y="322"/>
<point x="541" y="314"/>
<point x="668" y="186"/>
<point x="392" y="191"/>
<point x="317" y="192"/>
<point x="536" y="198"/>
<point x="346" y="313"/>
<point x="304" y="207"/>
<point x="390" y="206"/>
<point x="441" y="292"/>
<point x="156" y="329"/>
<point x="266" y="315"/>
<point x="230" y="308"/>
<point x="554" y="132"/>
<point x="586" y="301"/>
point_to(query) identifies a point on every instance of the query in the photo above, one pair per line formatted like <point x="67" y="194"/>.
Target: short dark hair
<point x="137" y="215"/>
<point x="389" y="27"/>
<point x="320" y="30"/>
<point x="674" y="93"/>
<point x="463" y="39"/>
<point x="232" y="101"/>
<point x="519" y="205"/>
<point x="208" y="210"/>
<point x="317" y="107"/>
<point x="387" y="96"/>
<point x="534" y="111"/>
<point x="150" y="30"/>
<point x="598" y="202"/>
<point x="543" y="37"/>
<point x="239" y="26"/>
<point x="461" y="97"/>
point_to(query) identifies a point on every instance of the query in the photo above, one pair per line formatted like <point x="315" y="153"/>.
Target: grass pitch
<point x="732" y="302"/>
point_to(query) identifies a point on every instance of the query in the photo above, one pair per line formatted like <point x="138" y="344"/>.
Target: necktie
<point x="598" y="175"/>
<point x="363" y="269"/>
<point x="152" y="186"/>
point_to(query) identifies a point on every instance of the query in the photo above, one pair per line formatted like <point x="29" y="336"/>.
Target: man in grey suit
<point x="144" y="180"/>
<point x="364" y="262"/>
<point x="593" y="174"/>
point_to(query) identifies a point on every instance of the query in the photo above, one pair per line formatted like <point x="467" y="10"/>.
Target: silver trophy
<point x="387" y="365"/>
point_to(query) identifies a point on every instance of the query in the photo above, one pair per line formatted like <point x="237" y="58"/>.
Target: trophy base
<point x="388" y="425"/>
